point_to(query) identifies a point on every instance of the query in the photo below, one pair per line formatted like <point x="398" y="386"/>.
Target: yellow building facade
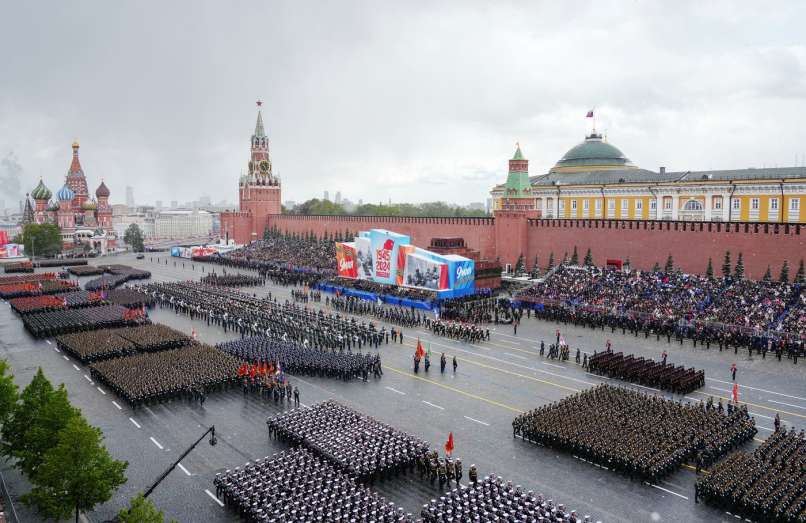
<point x="596" y="180"/>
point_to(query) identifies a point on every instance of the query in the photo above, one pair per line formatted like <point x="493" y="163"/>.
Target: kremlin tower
<point x="258" y="192"/>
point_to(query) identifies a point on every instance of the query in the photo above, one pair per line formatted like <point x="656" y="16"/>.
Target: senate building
<point x="595" y="180"/>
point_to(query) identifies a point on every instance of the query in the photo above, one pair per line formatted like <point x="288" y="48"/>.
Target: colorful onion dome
<point x="65" y="194"/>
<point x="89" y="205"/>
<point x="41" y="192"/>
<point x="102" y="191"/>
<point x="53" y="206"/>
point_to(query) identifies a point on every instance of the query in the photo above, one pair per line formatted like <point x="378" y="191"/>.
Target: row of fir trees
<point x="48" y="439"/>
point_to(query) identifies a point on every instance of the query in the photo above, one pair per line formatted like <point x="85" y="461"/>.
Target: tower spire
<point x="260" y="131"/>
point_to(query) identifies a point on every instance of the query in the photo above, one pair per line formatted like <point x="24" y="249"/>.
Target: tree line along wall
<point x="689" y="243"/>
<point x="478" y="233"/>
<point x="642" y="242"/>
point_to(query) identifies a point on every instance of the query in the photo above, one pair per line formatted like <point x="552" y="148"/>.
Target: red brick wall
<point x="236" y="226"/>
<point x="478" y="233"/>
<point x="690" y="244"/>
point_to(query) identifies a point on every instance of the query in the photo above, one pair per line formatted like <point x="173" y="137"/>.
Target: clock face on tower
<point x="264" y="166"/>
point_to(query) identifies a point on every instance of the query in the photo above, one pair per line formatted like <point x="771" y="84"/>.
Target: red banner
<point x="346" y="260"/>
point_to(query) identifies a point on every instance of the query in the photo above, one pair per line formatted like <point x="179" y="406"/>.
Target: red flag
<point x="449" y="444"/>
<point x="590" y="114"/>
<point x="193" y="333"/>
<point x="735" y="393"/>
<point x="420" y="352"/>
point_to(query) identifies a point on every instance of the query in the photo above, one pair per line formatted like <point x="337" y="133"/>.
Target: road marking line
<point x="135" y="423"/>
<point x="720" y="390"/>
<point x="395" y="391"/>
<point x="116" y="405"/>
<point x="761" y="415"/>
<point x="764" y="428"/>
<point x="692" y="399"/>
<point x="762" y="390"/>
<point x="56" y="349"/>
<point x="101" y="390"/>
<point x="76" y="367"/>
<point x="48" y="342"/>
<point x="598" y="376"/>
<point x="515" y="356"/>
<point x="756" y="405"/>
<point x="186" y="471"/>
<point x="669" y="491"/>
<point x="433" y="405"/>
<point x="155" y="442"/>
<point x="87" y="378"/>
<point x="65" y="357"/>
<point x="454" y="389"/>
<point x="787" y="404"/>
<point x="553" y="365"/>
<point x="478" y="421"/>
<point x="214" y="498"/>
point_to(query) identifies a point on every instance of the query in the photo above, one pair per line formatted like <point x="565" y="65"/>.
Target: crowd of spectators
<point x="382" y="289"/>
<point x="361" y="446"/>
<point x="767" y="485"/>
<point x="639" y="435"/>
<point x="732" y="312"/>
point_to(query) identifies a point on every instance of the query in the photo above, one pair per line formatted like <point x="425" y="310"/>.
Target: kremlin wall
<point x="519" y="225"/>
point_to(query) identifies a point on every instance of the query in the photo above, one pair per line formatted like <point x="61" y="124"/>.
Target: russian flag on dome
<point x="590" y="114"/>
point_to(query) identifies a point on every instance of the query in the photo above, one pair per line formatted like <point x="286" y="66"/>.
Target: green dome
<point x="41" y="192"/>
<point x="593" y="154"/>
<point x="53" y="206"/>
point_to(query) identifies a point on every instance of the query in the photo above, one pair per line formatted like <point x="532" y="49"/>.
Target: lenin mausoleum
<point x="593" y="198"/>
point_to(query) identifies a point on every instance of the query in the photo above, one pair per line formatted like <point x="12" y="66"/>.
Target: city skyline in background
<point x="441" y="110"/>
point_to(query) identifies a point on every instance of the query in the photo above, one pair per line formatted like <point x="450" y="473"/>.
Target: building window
<point x="562" y="205"/>
<point x="754" y="204"/>
<point x="693" y="205"/>
<point x="539" y="204"/>
<point x="737" y="204"/>
<point x="794" y="204"/>
<point x="639" y="205"/>
<point x="624" y="204"/>
<point x="717" y="201"/>
<point x="573" y="205"/>
<point x="667" y="203"/>
<point x="611" y="205"/>
<point x="586" y="205"/>
<point x="773" y="204"/>
<point x="598" y="205"/>
<point x="653" y="205"/>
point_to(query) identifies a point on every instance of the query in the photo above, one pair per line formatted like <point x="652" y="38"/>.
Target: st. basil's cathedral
<point x="82" y="220"/>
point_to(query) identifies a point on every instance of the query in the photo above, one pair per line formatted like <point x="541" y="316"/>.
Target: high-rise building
<point x="174" y="204"/>
<point x="158" y="205"/>
<point x="129" y="197"/>
<point x="326" y="196"/>
<point x="338" y="197"/>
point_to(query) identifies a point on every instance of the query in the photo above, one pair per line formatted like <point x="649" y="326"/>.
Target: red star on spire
<point x="259" y="103"/>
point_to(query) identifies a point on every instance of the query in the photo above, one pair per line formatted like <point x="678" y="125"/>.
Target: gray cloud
<point x="381" y="99"/>
<point x="11" y="175"/>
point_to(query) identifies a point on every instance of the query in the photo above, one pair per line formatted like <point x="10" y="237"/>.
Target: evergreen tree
<point x="134" y="238"/>
<point x="9" y="394"/>
<point x="551" y="262"/>
<point x="565" y="257"/>
<point x="76" y="474"/>
<point x="36" y="421"/>
<point x="768" y="274"/>
<point x="738" y="272"/>
<point x="575" y="257"/>
<point x="627" y="263"/>
<point x="726" y="265"/>
<point x="535" y="269"/>
<point x="669" y="268"/>
<point x="710" y="270"/>
<point x="142" y="510"/>
<point x="800" y="276"/>
<point x="784" y="277"/>
<point x="588" y="258"/>
<point x="656" y="267"/>
<point x="520" y="266"/>
<point x="41" y="239"/>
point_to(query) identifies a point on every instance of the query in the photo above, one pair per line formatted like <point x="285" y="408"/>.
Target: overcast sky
<point x="416" y="101"/>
